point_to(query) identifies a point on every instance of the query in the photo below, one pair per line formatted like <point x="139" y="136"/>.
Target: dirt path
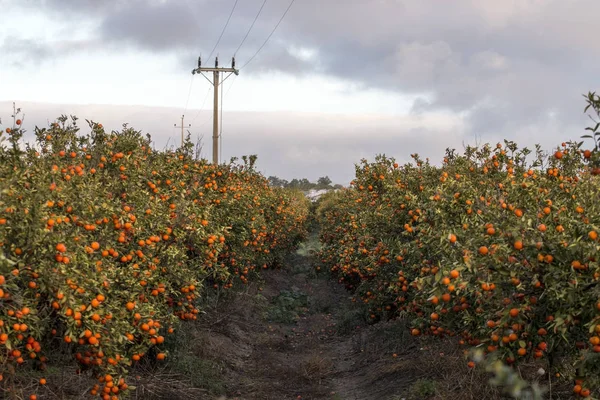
<point x="299" y="336"/>
<point x="296" y="335"/>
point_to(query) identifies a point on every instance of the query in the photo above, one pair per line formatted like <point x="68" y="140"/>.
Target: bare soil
<point x="297" y="335"/>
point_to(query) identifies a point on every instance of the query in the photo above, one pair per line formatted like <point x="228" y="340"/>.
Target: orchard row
<point x="105" y="244"/>
<point x="497" y="246"/>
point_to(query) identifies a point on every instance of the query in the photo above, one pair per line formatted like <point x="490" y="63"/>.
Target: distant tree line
<point x="303" y="184"/>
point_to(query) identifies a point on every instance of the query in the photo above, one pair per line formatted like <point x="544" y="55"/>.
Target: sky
<point x="338" y="80"/>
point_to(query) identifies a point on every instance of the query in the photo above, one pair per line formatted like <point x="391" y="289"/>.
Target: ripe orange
<point x="542" y="332"/>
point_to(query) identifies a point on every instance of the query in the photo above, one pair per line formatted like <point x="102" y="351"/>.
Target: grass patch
<point x="422" y="389"/>
<point x="187" y="373"/>
<point x="286" y="307"/>
<point x="349" y="318"/>
<point x="310" y="246"/>
<point x="316" y="367"/>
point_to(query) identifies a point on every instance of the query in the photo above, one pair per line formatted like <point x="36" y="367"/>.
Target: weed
<point x="286" y="306"/>
<point x="422" y="389"/>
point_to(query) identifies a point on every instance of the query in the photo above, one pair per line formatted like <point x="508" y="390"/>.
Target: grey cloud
<point x="503" y="64"/>
<point x="24" y="51"/>
<point x="27" y="52"/>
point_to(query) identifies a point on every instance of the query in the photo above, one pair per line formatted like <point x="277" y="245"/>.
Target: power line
<point x="251" y="26"/>
<point x="202" y="106"/>
<point x="206" y="121"/>
<point x="230" y="86"/>
<point x="223" y="31"/>
<point x="189" y="94"/>
<point x="269" y="37"/>
<point x="211" y="53"/>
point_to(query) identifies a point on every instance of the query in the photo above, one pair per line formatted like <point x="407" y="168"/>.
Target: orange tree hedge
<point x="105" y="243"/>
<point x="500" y="251"/>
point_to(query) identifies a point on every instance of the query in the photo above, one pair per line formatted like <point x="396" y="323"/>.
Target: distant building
<point x="314" y="194"/>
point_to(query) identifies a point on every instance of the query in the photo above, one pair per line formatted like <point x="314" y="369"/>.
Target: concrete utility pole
<point x="181" y="128"/>
<point x="216" y="82"/>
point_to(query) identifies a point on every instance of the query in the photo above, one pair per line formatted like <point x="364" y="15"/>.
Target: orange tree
<point x="105" y="243"/>
<point x="498" y="246"/>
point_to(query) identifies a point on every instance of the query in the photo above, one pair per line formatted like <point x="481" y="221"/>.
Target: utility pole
<point x="216" y="82"/>
<point x="175" y="125"/>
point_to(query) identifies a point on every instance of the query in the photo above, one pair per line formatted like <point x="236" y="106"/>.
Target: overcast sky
<point x="339" y="80"/>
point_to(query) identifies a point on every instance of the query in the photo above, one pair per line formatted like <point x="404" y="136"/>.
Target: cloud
<point x="501" y="65"/>
<point x="25" y="51"/>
